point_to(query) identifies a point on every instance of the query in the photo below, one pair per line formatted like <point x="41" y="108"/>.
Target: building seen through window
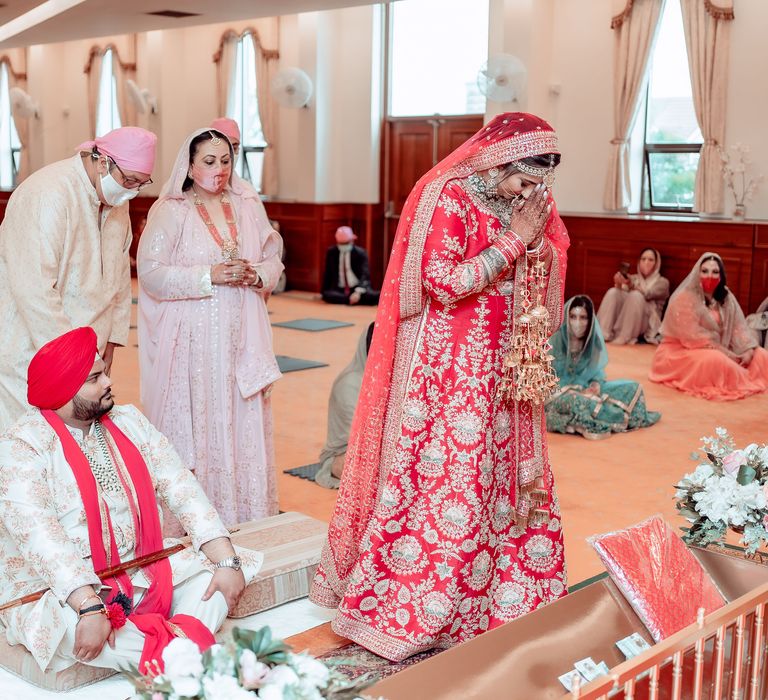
<point x="672" y="134"/>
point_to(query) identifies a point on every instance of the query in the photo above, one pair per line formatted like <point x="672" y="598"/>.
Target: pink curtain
<point x="708" y="40"/>
<point x="92" y="71"/>
<point x="225" y="60"/>
<point x="634" y="28"/>
<point x="266" y="67"/>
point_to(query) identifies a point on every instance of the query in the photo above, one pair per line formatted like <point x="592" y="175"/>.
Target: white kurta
<point x="44" y="536"/>
<point x="59" y="269"/>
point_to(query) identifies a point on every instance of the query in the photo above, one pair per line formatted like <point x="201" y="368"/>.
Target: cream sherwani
<point x="44" y="537"/>
<point x="63" y="264"/>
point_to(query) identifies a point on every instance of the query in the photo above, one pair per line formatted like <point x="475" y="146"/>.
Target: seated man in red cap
<point x="347" y="278"/>
<point x="81" y="483"/>
<point x="64" y="259"/>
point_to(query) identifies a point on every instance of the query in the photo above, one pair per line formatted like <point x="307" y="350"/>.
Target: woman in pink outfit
<point x="207" y="261"/>
<point x="707" y="349"/>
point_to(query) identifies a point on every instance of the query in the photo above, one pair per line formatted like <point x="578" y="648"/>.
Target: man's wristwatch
<point x="229" y="563"/>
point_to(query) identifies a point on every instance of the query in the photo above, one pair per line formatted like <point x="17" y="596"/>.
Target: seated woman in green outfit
<point x="586" y="403"/>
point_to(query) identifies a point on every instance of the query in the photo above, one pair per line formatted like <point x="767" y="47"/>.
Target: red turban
<point x="60" y="368"/>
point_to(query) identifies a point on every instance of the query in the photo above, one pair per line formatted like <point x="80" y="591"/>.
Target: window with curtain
<point x="108" y="114"/>
<point x="436" y="49"/>
<point x="672" y="135"/>
<point x="10" y="146"/>
<point x="244" y="109"/>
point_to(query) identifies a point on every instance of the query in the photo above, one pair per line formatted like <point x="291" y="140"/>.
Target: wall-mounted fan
<point x="502" y="78"/>
<point x="291" y="87"/>
<point x="142" y="98"/>
<point x="22" y="103"/>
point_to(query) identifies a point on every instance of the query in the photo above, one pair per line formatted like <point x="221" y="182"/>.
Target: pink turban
<point x="131" y="147"/>
<point x="344" y="234"/>
<point x="228" y="127"/>
<point x="60" y="368"/>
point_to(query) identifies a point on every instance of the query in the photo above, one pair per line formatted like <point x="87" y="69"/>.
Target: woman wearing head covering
<point x="207" y="262"/>
<point x="446" y="523"/>
<point x="633" y="306"/>
<point x="341" y="411"/>
<point x="707" y="348"/>
<point x="585" y="402"/>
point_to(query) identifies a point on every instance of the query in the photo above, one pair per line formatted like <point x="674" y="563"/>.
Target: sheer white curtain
<point x="634" y="28"/>
<point x="708" y="40"/>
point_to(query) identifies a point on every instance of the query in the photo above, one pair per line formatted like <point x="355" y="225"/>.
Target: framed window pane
<point x="244" y="109"/>
<point x="253" y="164"/>
<point x="10" y="146"/>
<point x="437" y="48"/>
<point x="671" y="117"/>
<point x="108" y="113"/>
<point x="672" y="179"/>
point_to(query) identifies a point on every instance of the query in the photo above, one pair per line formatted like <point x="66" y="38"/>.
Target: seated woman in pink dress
<point x="707" y="349"/>
<point x="633" y="306"/>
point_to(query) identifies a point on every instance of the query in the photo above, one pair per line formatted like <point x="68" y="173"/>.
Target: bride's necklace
<point x="229" y="247"/>
<point x="485" y="191"/>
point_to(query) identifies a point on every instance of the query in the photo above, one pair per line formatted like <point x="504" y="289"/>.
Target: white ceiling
<point x="93" y="18"/>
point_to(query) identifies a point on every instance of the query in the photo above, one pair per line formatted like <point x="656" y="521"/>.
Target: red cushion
<point x="658" y="575"/>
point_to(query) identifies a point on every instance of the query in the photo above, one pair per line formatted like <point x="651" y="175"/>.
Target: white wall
<point x="329" y="151"/>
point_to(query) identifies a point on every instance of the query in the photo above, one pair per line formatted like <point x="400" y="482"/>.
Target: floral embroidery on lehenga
<point x="444" y="558"/>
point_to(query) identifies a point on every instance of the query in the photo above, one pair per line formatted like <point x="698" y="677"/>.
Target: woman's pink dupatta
<point x="151" y="615"/>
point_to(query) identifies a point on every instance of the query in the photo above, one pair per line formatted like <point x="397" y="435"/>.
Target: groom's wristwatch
<point x="229" y="563"/>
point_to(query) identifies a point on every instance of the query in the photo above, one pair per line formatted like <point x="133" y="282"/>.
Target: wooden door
<point x="412" y="145"/>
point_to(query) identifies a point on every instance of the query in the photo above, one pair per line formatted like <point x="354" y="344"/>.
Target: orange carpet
<point x="602" y="485"/>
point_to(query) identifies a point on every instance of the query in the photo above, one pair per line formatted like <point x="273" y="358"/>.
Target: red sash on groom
<point x="151" y="615"/>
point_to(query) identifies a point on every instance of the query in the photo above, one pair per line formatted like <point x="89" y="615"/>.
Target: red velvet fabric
<point x="658" y="575"/>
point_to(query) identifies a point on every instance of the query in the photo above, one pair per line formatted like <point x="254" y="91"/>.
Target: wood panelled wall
<point x="600" y="243"/>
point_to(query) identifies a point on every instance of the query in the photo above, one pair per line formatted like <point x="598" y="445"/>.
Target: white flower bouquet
<point x="728" y="491"/>
<point x="250" y="666"/>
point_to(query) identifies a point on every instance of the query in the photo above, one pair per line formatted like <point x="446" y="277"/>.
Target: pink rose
<point x="733" y="461"/>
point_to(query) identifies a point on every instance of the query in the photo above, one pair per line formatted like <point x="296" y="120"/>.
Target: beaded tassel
<point x="528" y="373"/>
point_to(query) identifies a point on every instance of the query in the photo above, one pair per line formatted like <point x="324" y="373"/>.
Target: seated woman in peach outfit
<point x="707" y="349"/>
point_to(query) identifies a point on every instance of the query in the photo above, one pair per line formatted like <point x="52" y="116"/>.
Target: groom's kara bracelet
<point x="93" y="610"/>
<point x="90" y="596"/>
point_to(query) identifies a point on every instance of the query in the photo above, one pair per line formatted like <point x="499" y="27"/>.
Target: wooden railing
<point x="721" y="656"/>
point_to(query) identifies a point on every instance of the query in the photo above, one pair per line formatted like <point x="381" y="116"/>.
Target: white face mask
<point x="578" y="327"/>
<point x="113" y="193"/>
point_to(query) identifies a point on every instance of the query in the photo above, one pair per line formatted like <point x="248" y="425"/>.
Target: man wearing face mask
<point x="64" y="259"/>
<point x="347" y="278"/>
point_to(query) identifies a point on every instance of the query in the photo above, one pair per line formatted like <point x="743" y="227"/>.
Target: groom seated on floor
<point x="81" y="482"/>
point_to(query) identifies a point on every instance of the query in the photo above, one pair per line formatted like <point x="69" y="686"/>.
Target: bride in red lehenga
<point x="446" y="523"/>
